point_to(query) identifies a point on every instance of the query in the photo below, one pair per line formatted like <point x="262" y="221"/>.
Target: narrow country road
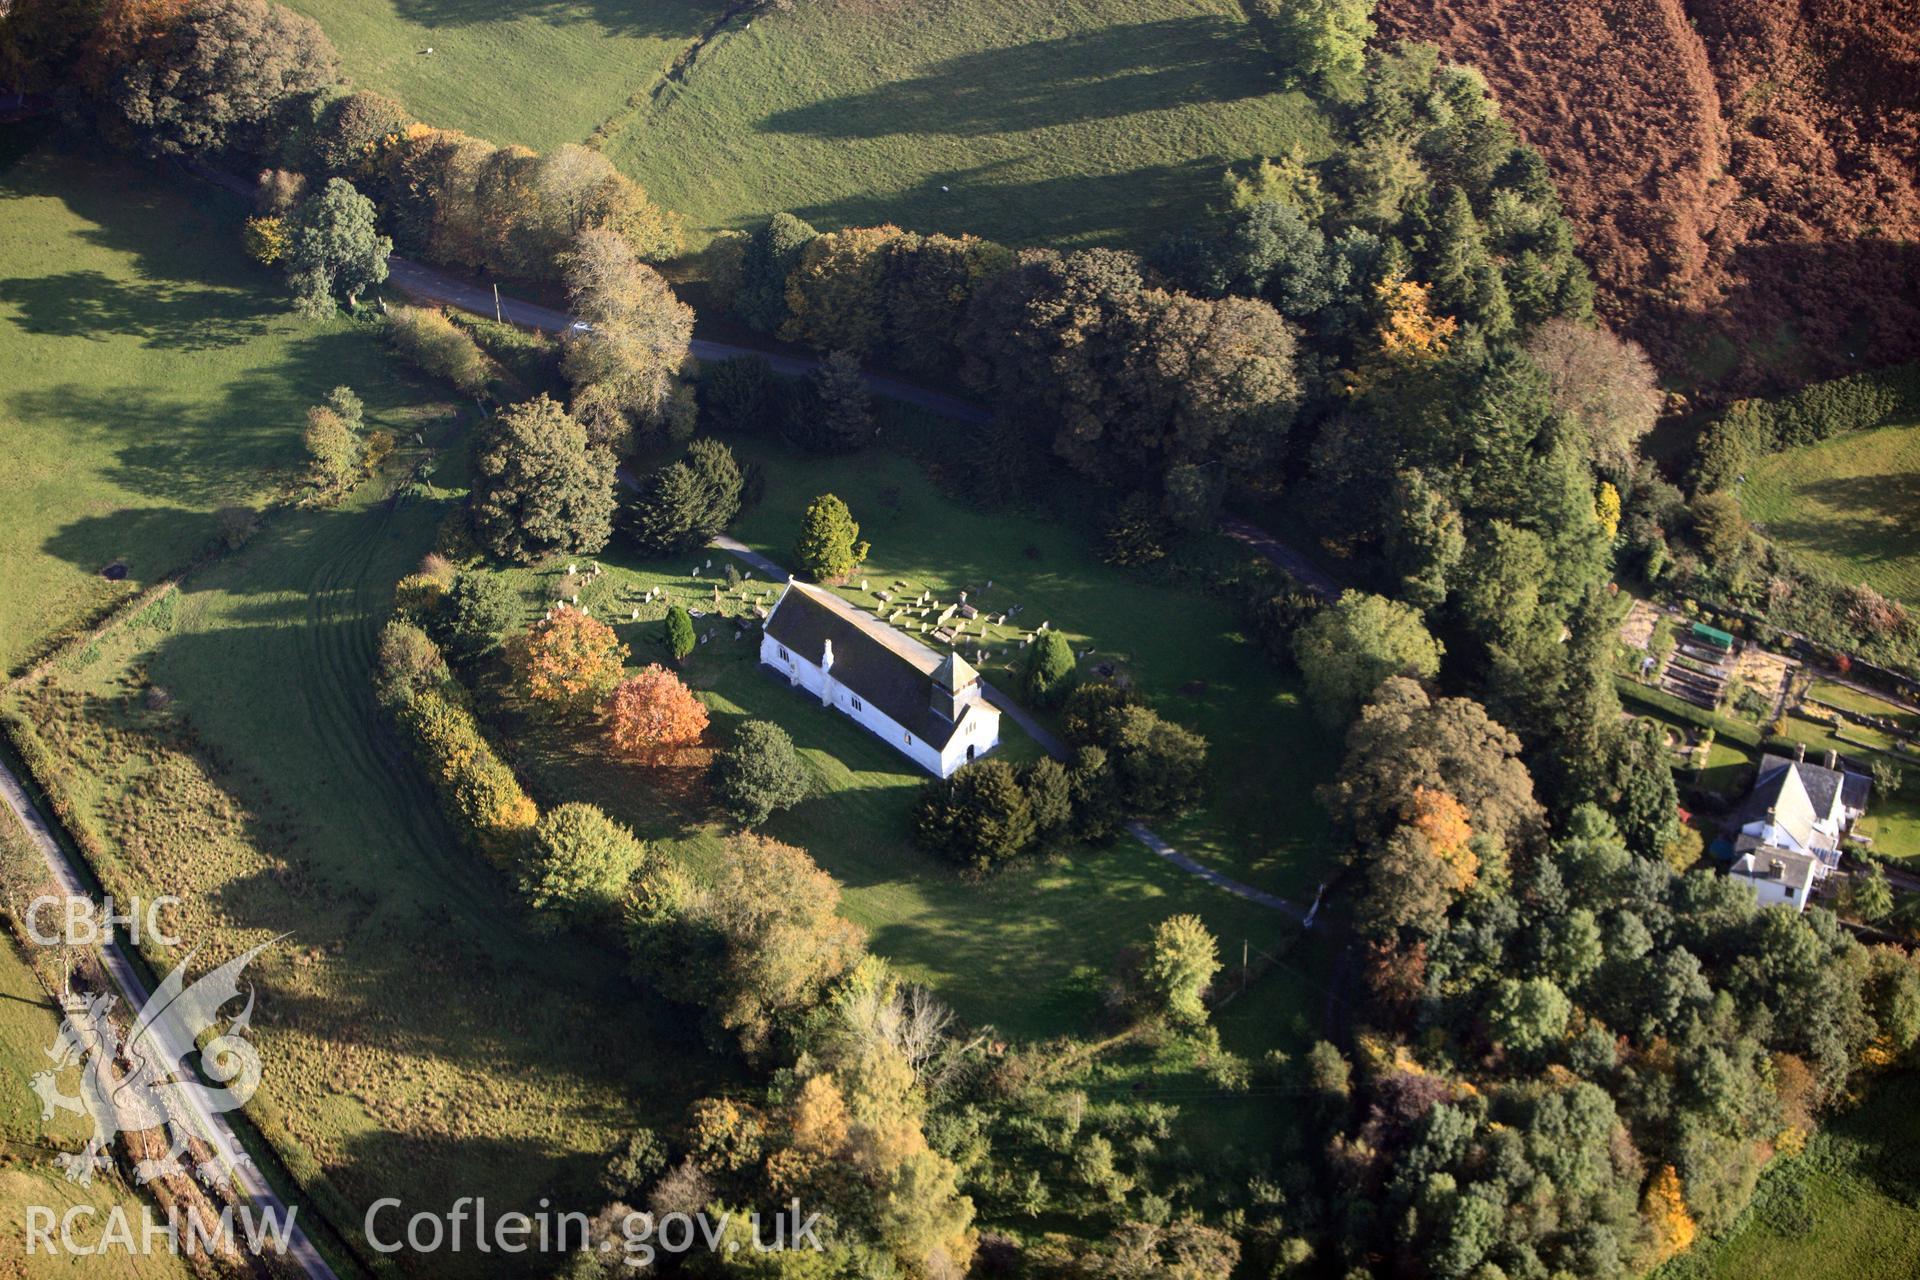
<point x="213" y="1128"/>
<point x="1051" y="744"/>
<point x="434" y="285"/>
<point x="437" y="286"/>
<point x="1310" y="575"/>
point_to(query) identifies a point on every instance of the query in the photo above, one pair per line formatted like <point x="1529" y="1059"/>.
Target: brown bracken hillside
<point x="1745" y="174"/>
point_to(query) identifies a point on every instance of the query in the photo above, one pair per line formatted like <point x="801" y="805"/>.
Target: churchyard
<point x="1026" y="950"/>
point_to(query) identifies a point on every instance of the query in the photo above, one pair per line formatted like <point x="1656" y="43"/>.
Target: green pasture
<point x="1065" y="122"/>
<point x="533" y="72"/>
<point x="1840" y="695"/>
<point x="1848" y="505"/>
<point x="419" y="1037"/>
<point x="1062" y="122"/>
<point x="151" y="375"/>
<point x="223" y="745"/>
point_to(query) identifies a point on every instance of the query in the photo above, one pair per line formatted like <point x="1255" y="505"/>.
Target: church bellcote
<point x="955" y="684"/>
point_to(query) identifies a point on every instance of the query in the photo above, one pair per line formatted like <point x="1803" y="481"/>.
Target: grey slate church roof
<point x="889" y="671"/>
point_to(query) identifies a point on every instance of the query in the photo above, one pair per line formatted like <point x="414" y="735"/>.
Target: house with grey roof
<point x="1792" y="824"/>
<point x="930" y="707"/>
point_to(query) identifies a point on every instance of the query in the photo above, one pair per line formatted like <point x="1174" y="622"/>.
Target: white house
<point x="928" y="706"/>
<point x="1791" y="826"/>
<point x="1778" y="877"/>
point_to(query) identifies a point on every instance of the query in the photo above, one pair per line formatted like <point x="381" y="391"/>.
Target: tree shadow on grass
<point x="162" y="315"/>
<point x="1128" y="209"/>
<point x="181" y="236"/>
<point x="643" y="19"/>
<point x="1100" y="75"/>
<point x="1885" y="509"/>
<point x="541" y="1181"/>
<point x="150" y="541"/>
<point x="230" y="443"/>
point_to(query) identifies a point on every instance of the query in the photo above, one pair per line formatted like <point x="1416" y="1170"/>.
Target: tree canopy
<point x="335" y="250"/>
<point x="1348" y="648"/>
<point x="829" y="548"/>
<point x="758" y="773"/>
<point x="540" y="488"/>
<point x="214" y="79"/>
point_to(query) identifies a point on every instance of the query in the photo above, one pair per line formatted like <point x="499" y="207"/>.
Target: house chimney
<point x="1799" y="752"/>
<point x="1833" y="760"/>
<point x="826" y="674"/>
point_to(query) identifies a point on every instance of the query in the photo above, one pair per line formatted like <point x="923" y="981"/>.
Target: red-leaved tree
<point x="652" y="714"/>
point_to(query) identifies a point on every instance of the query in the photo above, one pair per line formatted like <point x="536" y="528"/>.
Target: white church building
<point x="929" y="706"/>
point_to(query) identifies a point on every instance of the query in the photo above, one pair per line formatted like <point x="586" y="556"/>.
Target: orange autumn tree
<point x="653" y="714"/>
<point x="1410" y="329"/>
<point x="818" y="1129"/>
<point x="1443" y="821"/>
<point x="1665" y="1208"/>
<point x="569" y="660"/>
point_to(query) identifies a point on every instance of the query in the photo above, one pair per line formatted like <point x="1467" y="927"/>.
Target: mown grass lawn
<point x="1181" y="646"/>
<point x="1847" y="1209"/>
<point x="420" y="1039"/>
<point x="536" y="74"/>
<point x="149" y="375"/>
<point x="1840" y="695"/>
<point x="1849" y="505"/>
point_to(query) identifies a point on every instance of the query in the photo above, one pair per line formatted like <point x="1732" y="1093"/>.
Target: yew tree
<point x="539" y="487"/>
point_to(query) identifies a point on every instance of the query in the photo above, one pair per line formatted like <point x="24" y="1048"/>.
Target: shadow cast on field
<point x="1069" y="211"/>
<point x="546" y="1182"/>
<point x="150" y="541"/>
<point x="162" y="315"/>
<point x="1888" y="505"/>
<point x="644" y="19"/>
<point x="221" y="447"/>
<point x="179" y="235"/>
<point x="1101" y="75"/>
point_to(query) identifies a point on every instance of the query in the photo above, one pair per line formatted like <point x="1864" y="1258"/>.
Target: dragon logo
<point x="150" y="1081"/>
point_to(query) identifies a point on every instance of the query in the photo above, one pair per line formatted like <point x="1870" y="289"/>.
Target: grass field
<point x="1840" y="695"/>
<point x="1849" y="505"/>
<point x="151" y="376"/>
<point x="418" y="1036"/>
<point x="533" y="72"/>
<point x="1027" y="950"/>
<point x="1031" y="121"/>
<point x="1182" y="647"/>
<point x="1847" y="1209"/>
